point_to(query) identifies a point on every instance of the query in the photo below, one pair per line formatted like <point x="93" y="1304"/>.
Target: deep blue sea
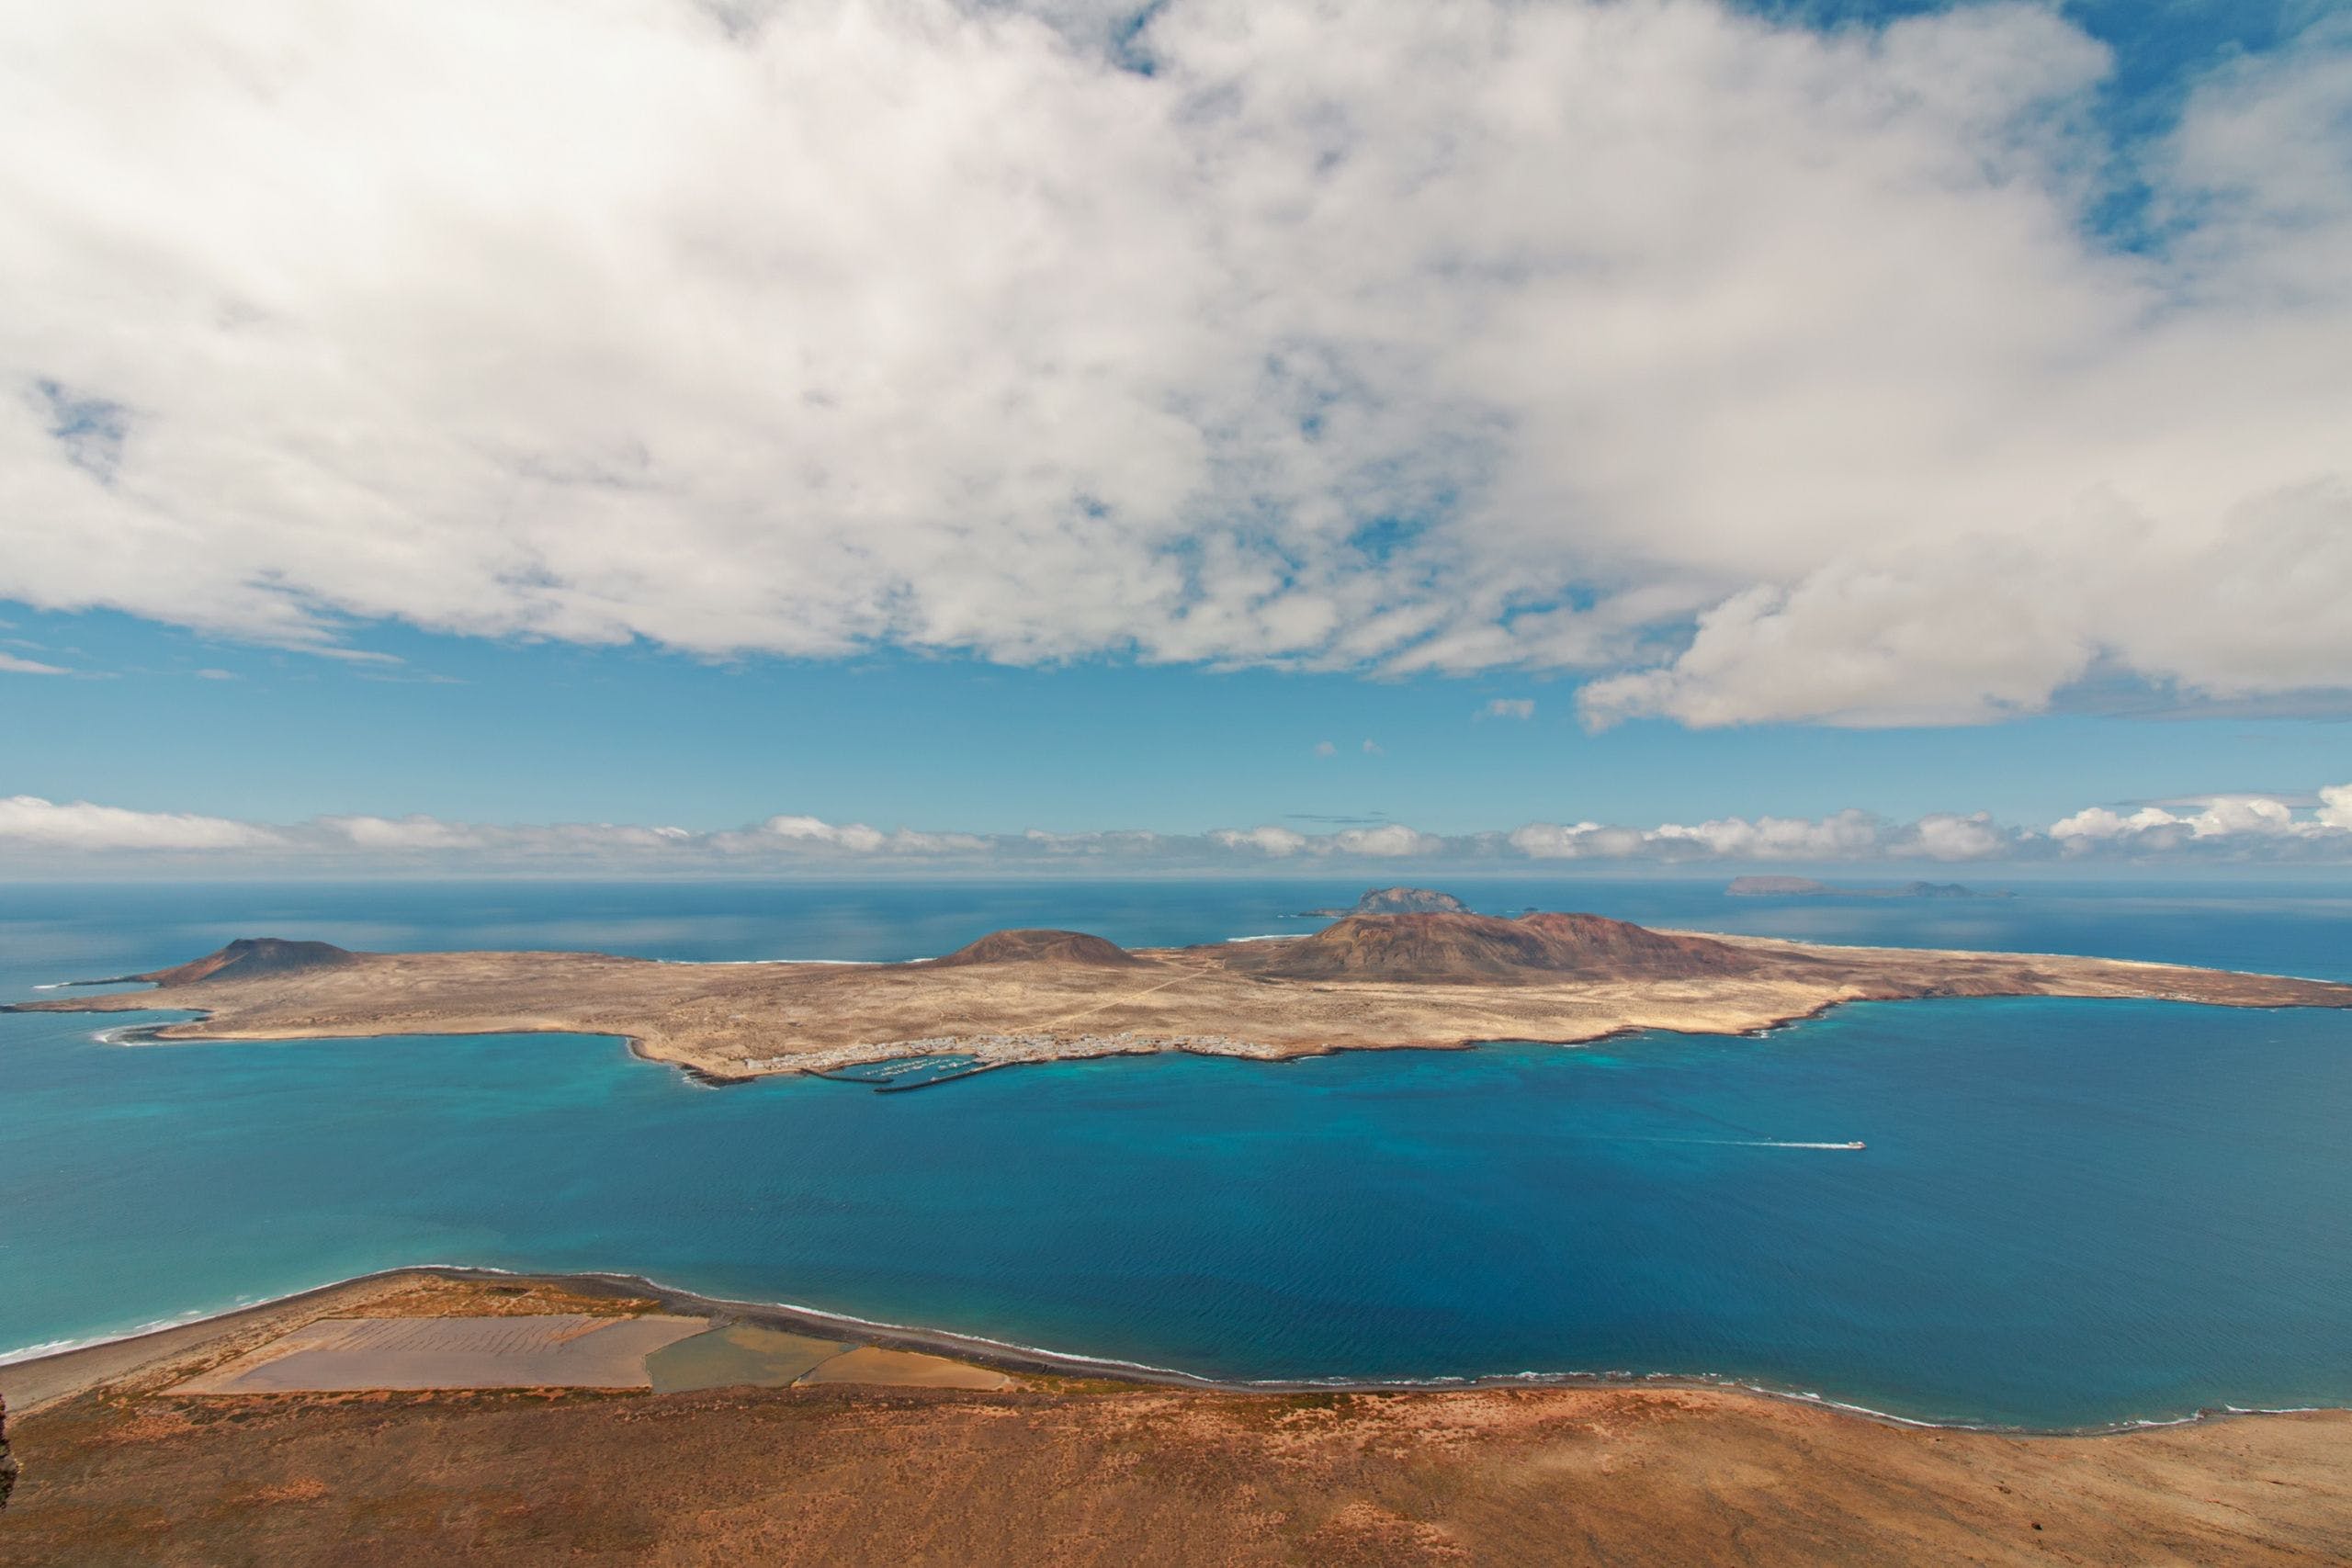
<point x="2069" y="1214"/>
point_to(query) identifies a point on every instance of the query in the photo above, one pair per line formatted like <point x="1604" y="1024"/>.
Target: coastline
<point x="38" y="1377"/>
<point x="829" y="1063"/>
<point x="278" y="1009"/>
<point x="1023" y="997"/>
<point x="897" y="1459"/>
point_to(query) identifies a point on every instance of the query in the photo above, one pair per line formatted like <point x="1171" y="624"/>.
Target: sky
<point x="838" y="435"/>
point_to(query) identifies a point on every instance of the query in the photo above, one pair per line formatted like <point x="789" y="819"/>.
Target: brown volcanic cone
<point x="1598" y="943"/>
<point x="252" y="955"/>
<point x="1481" y="947"/>
<point x="1041" y="946"/>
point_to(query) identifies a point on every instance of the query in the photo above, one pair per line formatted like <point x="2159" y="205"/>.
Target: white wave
<point x="1276" y="936"/>
<point x="59" y="1346"/>
<point x="949" y="1340"/>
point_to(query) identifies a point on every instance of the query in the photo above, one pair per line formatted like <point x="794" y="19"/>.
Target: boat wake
<point x="1752" y="1143"/>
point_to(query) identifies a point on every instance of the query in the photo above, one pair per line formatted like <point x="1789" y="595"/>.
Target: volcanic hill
<point x="1466" y="948"/>
<point x="1040" y="947"/>
<point x="250" y="957"/>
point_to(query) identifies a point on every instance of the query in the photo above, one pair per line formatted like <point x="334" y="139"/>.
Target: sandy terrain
<point x="1063" y="1471"/>
<point x="743" y="1354"/>
<point x="1042" y="995"/>
<point x="903" y="1369"/>
<point x="550" y="1350"/>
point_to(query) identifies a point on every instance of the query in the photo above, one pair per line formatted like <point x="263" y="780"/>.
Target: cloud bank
<point x="37" y="834"/>
<point x="1752" y="372"/>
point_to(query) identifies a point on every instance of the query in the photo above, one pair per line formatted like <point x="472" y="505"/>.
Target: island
<point x="1400" y="901"/>
<point x="1806" y="887"/>
<point x="502" y="1417"/>
<point x="1367" y="982"/>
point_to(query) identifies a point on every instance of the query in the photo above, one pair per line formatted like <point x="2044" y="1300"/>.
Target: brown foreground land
<point x="1364" y="983"/>
<point x="121" y="1470"/>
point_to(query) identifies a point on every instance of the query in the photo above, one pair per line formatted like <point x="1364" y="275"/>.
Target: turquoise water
<point x="2069" y="1214"/>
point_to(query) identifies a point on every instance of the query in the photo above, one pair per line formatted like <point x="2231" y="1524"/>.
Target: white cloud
<point x="29" y="822"/>
<point x="1846" y="836"/>
<point x="856" y="836"/>
<point x="2097" y="822"/>
<point x="1509" y="708"/>
<point x="1766" y="374"/>
<point x="1325" y="748"/>
<point x="11" y="664"/>
<point x="2254" y="825"/>
<point x="1277" y="842"/>
<point x="406" y="834"/>
<point x="2315" y="827"/>
<point x="859" y="839"/>
<point x="1388" y="839"/>
<point x="1945" y="836"/>
<point x="1374" y="749"/>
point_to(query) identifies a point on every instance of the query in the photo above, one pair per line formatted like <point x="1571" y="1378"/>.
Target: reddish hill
<point x="1482" y="947"/>
<point x="1041" y="947"/>
<point x="252" y="955"/>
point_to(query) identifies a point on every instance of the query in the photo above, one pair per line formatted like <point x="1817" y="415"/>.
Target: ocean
<point x="2068" y="1213"/>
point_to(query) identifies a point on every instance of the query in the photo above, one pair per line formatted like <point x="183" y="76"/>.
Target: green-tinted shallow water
<point x="2068" y="1213"/>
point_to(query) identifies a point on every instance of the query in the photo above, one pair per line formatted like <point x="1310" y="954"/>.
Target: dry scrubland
<point x="1061" y="1471"/>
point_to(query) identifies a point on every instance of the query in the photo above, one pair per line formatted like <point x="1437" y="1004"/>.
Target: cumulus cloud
<point x="1388" y="839"/>
<point x="1325" y="748"/>
<point x="2252" y="826"/>
<point x="855" y="838"/>
<point x="1760" y="372"/>
<point x="29" y="822"/>
<point x="1846" y="836"/>
<point x="1275" y="842"/>
<point x="2315" y="827"/>
<point x="1509" y="708"/>
<point x="406" y="834"/>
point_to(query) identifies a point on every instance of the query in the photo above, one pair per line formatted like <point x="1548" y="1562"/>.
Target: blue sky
<point x="478" y="729"/>
<point x="1470" y="420"/>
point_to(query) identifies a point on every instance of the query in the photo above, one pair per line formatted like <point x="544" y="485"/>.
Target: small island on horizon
<point x="1367" y="982"/>
<point x="1807" y="887"/>
<point x="1400" y="901"/>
